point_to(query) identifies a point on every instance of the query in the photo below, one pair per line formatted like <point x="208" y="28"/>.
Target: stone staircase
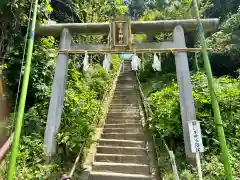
<point x="121" y="151"/>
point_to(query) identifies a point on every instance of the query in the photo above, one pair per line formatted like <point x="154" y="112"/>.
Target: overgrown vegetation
<point x="167" y="121"/>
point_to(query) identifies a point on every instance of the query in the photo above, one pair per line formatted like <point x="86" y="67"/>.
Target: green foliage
<point x="222" y="8"/>
<point x="167" y="120"/>
<point x="167" y="112"/>
<point x="174" y="10"/>
<point x="137" y="8"/>
<point x="226" y="47"/>
<point x="227" y="40"/>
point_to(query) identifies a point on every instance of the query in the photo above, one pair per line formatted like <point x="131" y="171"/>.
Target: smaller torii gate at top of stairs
<point x="120" y="32"/>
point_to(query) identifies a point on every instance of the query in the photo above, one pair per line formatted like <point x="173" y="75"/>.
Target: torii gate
<point x="120" y="31"/>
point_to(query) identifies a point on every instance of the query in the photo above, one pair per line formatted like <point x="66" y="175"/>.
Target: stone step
<point x="126" y="83"/>
<point x="121" y="150"/>
<point x="122" y="130"/>
<point x="124" y="136"/>
<point x="124" y="118"/>
<point x="121" y="143"/>
<point x="129" y="78"/>
<point x="123" y="121"/>
<point x="124" y="111"/>
<point x="126" y="92"/>
<point x="128" y="106"/>
<point x="127" y="168"/>
<point x="128" y="65"/>
<point x="129" y="115"/>
<point x="127" y="73"/>
<point x="122" y="158"/>
<point x="126" y="78"/>
<point x="117" y="176"/>
<point x="123" y="94"/>
<point x="126" y="86"/>
<point x="124" y="125"/>
<point x="127" y="96"/>
<point x="124" y="101"/>
<point x="122" y="89"/>
<point x="124" y="106"/>
<point x="129" y="68"/>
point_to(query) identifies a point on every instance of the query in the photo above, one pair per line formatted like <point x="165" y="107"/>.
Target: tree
<point x="136" y="8"/>
<point x="64" y="11"/>
<point x="221" y="8"/>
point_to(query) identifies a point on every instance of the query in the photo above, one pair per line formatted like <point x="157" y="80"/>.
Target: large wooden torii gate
<point x="120" y="32"/>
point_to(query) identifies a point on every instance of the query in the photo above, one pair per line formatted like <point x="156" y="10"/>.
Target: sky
<point x="125" y="56"/>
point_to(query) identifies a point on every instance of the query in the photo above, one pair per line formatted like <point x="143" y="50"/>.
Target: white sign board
<point x="195" y="136"/>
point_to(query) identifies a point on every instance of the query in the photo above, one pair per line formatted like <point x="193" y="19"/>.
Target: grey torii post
<point x="185" y="88"/>
<point x="57" y="96"/>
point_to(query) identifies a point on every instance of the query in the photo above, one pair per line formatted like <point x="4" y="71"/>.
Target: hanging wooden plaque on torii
<point x="120" y="33"/>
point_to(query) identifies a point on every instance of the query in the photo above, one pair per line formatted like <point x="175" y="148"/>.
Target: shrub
<point x="167" y="120"/>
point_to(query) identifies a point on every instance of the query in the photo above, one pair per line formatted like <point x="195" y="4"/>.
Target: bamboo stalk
<point x="21" y="107"/>
<point x="215" y="106"/>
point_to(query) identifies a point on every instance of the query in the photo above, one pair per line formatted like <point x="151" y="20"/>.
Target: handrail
<point x="69" y="176"/>
<point x="149" y="114"/>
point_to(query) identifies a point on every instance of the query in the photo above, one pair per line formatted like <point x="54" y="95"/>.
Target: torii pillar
<point x="185" y="88"/>
<point x="57" y="96"/>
